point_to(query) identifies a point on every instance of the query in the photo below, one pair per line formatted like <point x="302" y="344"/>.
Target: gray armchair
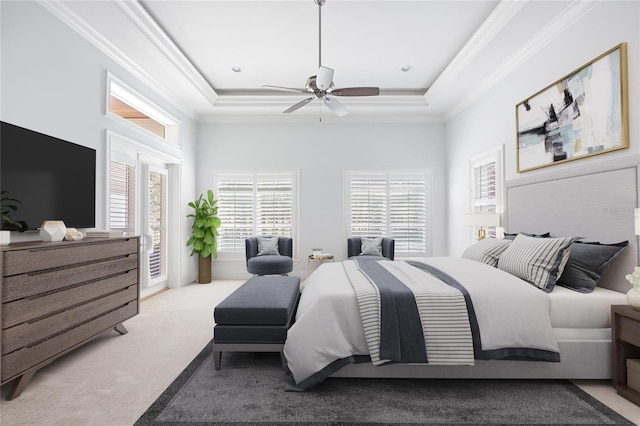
<point x="354" y="245"/>
<point x="269" y="264"/>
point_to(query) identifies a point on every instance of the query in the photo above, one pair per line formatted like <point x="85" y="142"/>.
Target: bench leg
<point x="217" y="357"/>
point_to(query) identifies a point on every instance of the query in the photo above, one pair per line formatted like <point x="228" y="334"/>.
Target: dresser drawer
<point x="39" y="258"/>
<point x="42" y="306"/>
<point x="29" y="284"/>
<point x="17" y="362"/>
<point x="29" y="333"/>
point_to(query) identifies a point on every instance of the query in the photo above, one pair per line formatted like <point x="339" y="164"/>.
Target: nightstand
<point x="625" y="340"/>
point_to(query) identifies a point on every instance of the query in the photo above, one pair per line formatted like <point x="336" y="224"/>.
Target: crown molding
<point x="150" y="28"/>
<point x="570" y="15"/>
<point x="75" y="22"/>
<point x="256" y="108"/>
<point x="490" y="29"/>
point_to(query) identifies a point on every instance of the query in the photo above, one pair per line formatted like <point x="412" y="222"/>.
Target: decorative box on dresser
<point x="56" y="296"/>
<point x="625" y="339"/>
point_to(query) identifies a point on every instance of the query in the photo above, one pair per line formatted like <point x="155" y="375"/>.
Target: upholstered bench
<point x="256" y="317"/>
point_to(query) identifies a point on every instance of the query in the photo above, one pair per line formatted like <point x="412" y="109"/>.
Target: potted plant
<point x="8" y="206"/>
<point x="317" y="251"/>
<point x="203" y="234"/>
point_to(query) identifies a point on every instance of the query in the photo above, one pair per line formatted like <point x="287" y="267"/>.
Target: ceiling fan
<point x="321" y="85"/>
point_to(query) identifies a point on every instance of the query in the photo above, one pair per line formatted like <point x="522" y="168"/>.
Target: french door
<point x="138" y="204"/>
<point x="153" y="228"/>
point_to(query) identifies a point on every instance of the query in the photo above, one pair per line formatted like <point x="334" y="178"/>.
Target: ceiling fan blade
<point x="324" y="78"/>
<point x="297" y="106"/>
<point x="336" y="107"/>
<point x="285" y="89"/>
<point x="356" y="91"/>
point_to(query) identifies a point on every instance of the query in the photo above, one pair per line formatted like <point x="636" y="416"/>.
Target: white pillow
<point x="539" y="261"/>
<point x="267" y="245"/>
<point x="371" y="246"/>
<point x="487" y="250"/>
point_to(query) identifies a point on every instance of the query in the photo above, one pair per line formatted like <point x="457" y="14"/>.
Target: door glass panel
<point x="157" y="226"/>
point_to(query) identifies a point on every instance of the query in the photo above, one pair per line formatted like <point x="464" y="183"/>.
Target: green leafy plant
<point x="205" y="226"/>
<point x="8" y="206"/>
<point x="316" y="249"/>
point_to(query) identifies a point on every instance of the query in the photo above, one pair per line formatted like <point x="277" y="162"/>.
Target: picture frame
<point x="585" y="113"/>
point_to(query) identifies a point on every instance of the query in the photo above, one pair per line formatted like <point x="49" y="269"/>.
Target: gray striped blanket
<point x="410" y="316"/>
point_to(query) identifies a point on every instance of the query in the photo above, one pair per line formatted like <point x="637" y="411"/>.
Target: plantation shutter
<point x="486" y="185"/>
<point x="235" y="210"/>
<point x="390" y="204"/>
<point x="274" y="207"/>
<point x="484" y="188"/>
<point x="254" y="204"/>
<point x="368" y="205"/>
<point x="122" y="190"/>
<point x="408" y="212"/>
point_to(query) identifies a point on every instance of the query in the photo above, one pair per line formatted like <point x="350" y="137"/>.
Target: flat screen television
<point x="52" y="178"/>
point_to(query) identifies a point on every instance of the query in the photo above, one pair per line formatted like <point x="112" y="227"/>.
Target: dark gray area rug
<point x="249" y="389"/>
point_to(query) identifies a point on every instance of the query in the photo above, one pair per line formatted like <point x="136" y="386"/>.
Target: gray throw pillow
<point x="587" y="262"/>
<point x="487" y="250"/>
<point x="539" y="261"/>
<point x="371" y="246"/>
<point x="267" y="245"/>
<point x="513" y="236"/>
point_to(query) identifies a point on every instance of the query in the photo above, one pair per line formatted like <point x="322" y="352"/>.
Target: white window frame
<point x="494" y="155"/>
<point x="389" y="174"/>
<point x="254" y="176"/>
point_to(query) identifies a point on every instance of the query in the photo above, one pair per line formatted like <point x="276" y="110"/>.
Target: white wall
<point x="490" y="121"/>
<point x="321" y="152"/>
<point x="53" y="81"/>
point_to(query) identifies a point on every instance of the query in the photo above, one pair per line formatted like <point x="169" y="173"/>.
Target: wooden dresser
<point x="56" y="296"/>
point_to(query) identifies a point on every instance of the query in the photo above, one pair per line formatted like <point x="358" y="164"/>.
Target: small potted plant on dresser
<point x="8" y="206"/>
<point x="204" y="234"/>
<point x="316" y="251"/>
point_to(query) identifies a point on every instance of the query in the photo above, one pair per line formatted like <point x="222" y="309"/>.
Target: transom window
<point x="391" y="203"/>
<point x="255" y="203"/>
<point x="126" y="103"/>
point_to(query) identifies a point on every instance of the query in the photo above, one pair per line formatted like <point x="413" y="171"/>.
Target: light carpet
<point x="249" y="389"/>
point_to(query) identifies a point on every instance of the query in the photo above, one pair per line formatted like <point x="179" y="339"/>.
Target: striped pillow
<point x="487" y="251"/>
<point x="539" y="261"/>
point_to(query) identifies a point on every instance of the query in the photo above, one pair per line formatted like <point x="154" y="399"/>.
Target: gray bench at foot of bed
<point x="255" y="317"/>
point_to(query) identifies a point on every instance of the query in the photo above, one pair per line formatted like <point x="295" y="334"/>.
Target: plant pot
<point x="5" y="238"/>
<point x="317" y="253"/>
<point x="633" y="297"/>
<point x="204" y="269"/>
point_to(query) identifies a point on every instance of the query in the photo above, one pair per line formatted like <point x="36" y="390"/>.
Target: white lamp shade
<point x="637" y="220"/>
<point x="482" y="219"/>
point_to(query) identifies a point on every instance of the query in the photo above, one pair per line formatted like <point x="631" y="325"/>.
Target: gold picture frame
<point x="584" y="113"/>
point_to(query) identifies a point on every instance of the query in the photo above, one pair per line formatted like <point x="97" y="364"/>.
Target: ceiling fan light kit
<point x="321" y="85"/>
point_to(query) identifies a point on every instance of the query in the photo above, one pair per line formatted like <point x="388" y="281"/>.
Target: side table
<point x="625" y="340"/>
<point x="324" y="257"/>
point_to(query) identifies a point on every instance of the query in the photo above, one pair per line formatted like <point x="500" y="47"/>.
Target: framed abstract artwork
<point x="584" y="113"/>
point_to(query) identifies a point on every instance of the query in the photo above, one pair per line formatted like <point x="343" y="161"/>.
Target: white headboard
<point x="595" y="202"/>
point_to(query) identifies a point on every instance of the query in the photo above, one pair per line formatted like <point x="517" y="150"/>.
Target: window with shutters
<point x="486" y="184"/>
<point x="255" y="203"/>
<point x="391" y="203"/>
<point x="122" y="195"/>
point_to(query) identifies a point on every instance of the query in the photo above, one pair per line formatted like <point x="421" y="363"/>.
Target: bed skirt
<point x="578" y="360"/>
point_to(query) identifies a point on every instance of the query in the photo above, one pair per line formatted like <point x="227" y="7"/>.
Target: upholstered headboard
<point x="595" y="202"/>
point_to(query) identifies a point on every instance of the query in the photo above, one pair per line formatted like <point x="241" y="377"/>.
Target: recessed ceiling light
<point x="405" y="68"/>
<point x="236" y="69"/>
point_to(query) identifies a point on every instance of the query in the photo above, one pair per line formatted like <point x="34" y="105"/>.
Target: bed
<point x="592" y="203"/>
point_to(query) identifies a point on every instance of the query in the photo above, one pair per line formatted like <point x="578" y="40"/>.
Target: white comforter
<point x="510" y="313"/>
